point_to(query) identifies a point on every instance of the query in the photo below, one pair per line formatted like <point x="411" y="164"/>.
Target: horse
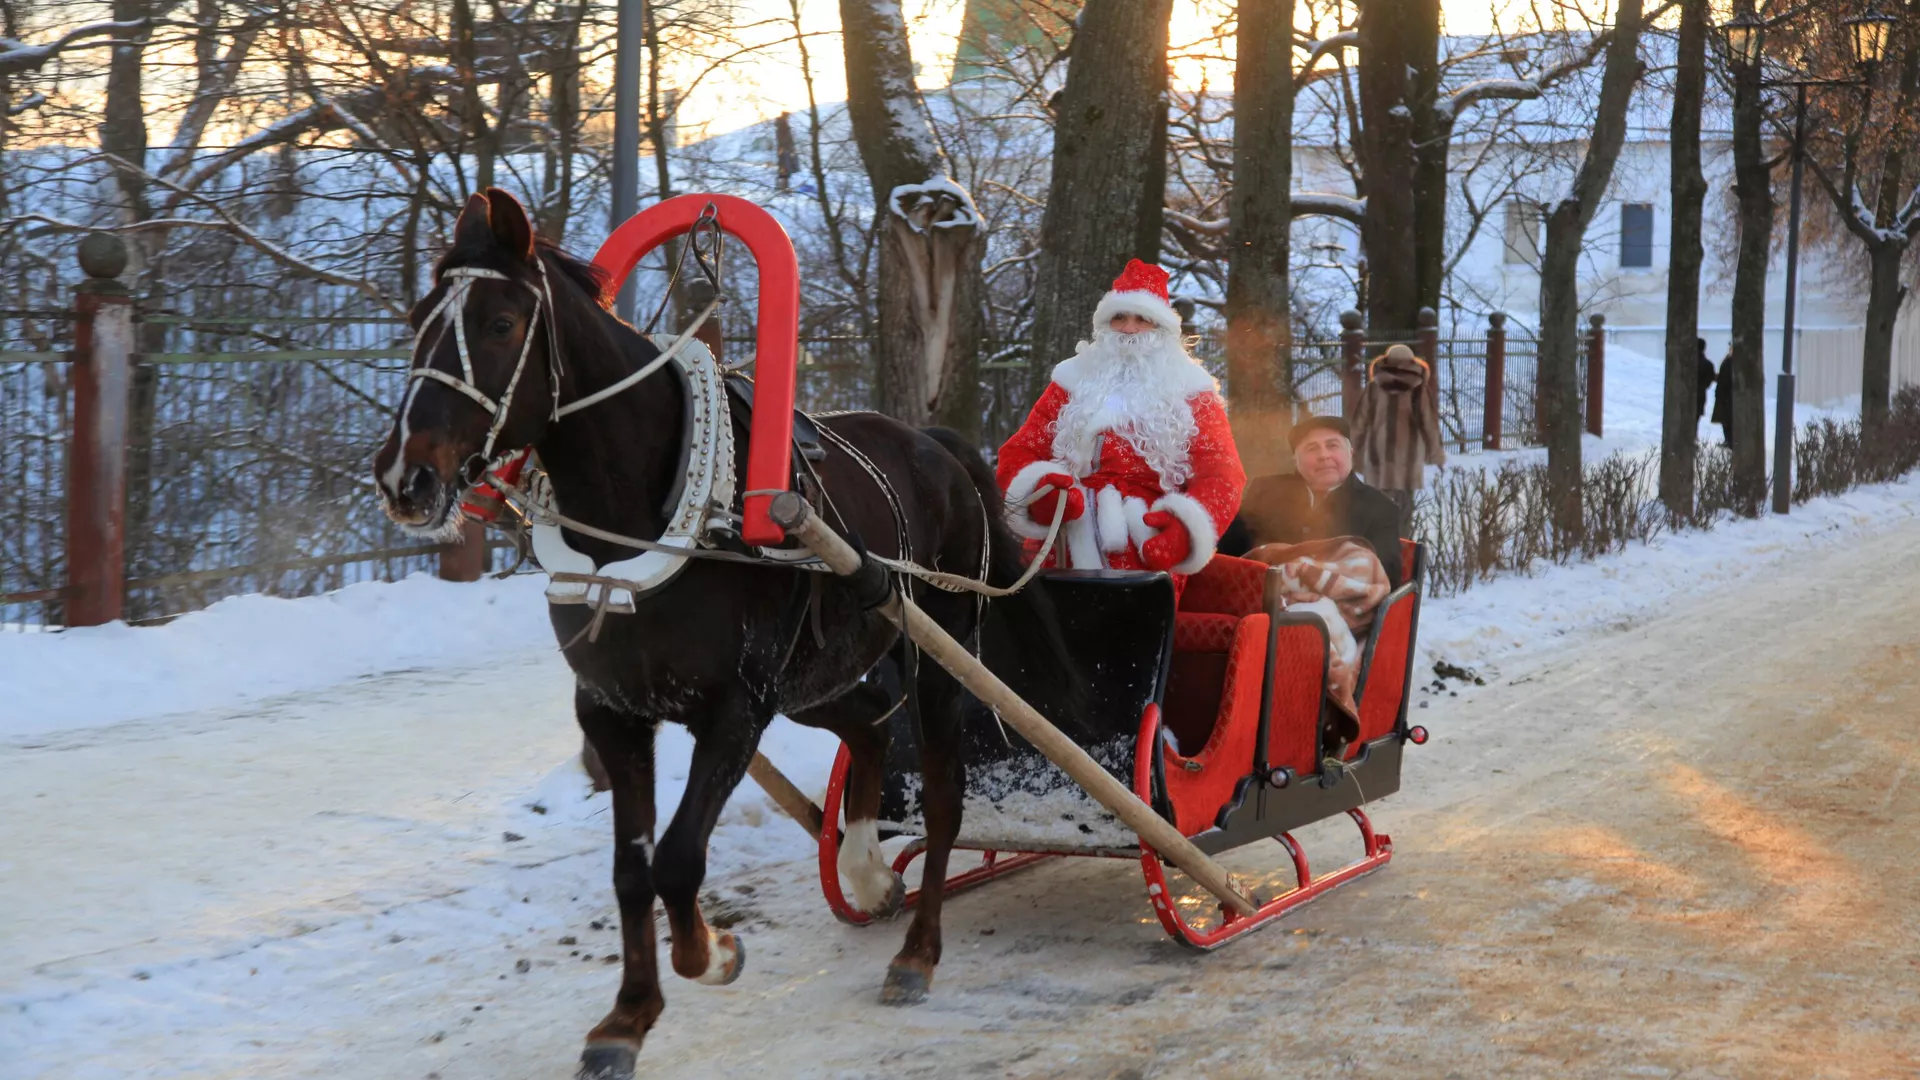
<point x="513" y="329"/>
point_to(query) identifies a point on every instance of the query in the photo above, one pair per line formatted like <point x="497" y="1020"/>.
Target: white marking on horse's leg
<point x="723" y="959"/>
<point x="865" y="867"/>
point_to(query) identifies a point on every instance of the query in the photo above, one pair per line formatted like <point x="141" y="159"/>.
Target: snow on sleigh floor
<point x="1683" y="845"/>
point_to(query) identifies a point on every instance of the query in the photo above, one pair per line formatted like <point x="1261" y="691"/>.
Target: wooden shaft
<point x="791" y="513"/>
<point x="784" y="795"/>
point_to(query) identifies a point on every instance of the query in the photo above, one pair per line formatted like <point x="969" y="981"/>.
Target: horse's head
<point x="485" y="370"/>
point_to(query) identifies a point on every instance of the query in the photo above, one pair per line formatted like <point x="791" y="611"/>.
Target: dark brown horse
<point x="723" y="646"/>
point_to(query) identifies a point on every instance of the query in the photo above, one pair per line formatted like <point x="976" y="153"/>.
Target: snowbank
<point x="250" y="647"/>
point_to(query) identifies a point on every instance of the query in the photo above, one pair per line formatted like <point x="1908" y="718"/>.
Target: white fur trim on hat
<point x="1020" y="487"/>
<point x="1188" y="511"/>
<point x="1136" y="302"/>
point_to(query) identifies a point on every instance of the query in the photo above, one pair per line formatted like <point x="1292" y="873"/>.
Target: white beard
<point x="1135" y="389"/>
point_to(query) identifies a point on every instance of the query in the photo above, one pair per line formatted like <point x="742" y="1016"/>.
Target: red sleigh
<point x="1217" y="716"/>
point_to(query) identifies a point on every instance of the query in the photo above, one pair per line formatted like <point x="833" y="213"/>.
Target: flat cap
<point x="1311" y="424"/>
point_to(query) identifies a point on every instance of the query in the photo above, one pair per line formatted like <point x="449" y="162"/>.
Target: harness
<point x="702" y="516"/>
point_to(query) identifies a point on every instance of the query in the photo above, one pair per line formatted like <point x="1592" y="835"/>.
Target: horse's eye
<point x="500" y="327"/>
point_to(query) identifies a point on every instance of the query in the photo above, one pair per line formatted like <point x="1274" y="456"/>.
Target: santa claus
<point x="1132" y="433"/>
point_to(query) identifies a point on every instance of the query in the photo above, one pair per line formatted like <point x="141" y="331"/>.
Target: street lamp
<point x="1867" y="36"/>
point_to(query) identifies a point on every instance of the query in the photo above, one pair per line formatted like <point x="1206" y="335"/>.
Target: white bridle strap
<point x="452" y="307"/>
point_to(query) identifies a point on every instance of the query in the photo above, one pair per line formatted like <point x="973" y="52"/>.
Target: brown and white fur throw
<point x="1341" y="580"/>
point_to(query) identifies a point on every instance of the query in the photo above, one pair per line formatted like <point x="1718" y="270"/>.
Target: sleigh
<point x="1204" y="730"/>
<point x="1216" y="715"/>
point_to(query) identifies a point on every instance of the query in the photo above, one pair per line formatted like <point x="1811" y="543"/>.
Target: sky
<point x="757" y="90"/>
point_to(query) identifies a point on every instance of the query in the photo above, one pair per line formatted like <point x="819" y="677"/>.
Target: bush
<point x="1478" y="522"/>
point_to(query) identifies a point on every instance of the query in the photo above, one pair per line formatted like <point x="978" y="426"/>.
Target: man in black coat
<point x="1323" y="499"/>
<point x="1705" y="378"/>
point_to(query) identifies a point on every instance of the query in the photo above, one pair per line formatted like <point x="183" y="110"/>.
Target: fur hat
<point x="1141" y="289"/>
<point x="1318" y="423"/>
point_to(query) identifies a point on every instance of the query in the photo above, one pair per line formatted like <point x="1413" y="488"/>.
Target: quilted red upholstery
<point x="1198" y="793"/>
<point x="1299" y="681"/>
<point x="1386" y="675"/>
<point x="1226" y="586"/>
<point x="1200" y="632"/>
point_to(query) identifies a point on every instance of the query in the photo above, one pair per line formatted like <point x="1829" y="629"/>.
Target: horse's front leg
<point x="722" y="747"/>
<point x="856" y="717"/>
<point x="625" y="745"/>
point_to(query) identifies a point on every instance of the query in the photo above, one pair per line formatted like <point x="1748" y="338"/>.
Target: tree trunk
<point x="563" y="118"/>
<point x="473" y="116"/>
<point x="1153" y="186"/>
<point x="1259" y="325"/>
<point x="1390" y="66"/>
<point x="1558" y="408"/>
<point x="1753" y="186"/>
<point x="1885" y="292"/>
<point x="927" y="224"/>
<point x="1561" y="416"/>
<point x="1680" y="416"/>
<point x="1432" y="141"/>
<point x="1103" y="142"/>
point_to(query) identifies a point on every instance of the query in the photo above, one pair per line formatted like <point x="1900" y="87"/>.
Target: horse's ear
<point x="472" y="230"/>
<point x="510" y="225"/>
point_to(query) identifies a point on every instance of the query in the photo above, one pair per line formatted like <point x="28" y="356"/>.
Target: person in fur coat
<point x="1396" y="430"/>
<point x="1133" y="434"/>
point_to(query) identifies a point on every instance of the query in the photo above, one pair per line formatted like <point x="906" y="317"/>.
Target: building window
<point x="1636" y="234"/>
<point x="1523" y="233"/>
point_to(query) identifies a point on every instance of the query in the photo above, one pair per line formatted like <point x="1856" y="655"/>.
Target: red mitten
<point x="1041" y="510"/>
<point x="1170" y="546"/>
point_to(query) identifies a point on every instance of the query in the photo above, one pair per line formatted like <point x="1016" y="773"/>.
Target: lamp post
<point x="1867" y="36"/>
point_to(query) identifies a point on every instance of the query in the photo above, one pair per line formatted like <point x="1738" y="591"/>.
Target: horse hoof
<point x="728" y="960"/>
<point x="607" y="1061"/>
<point x="905" y="986"/>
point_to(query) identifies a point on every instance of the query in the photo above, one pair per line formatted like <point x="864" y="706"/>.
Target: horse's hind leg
<point x="626" y="748"/>
<point x="943" y="781"/>
<point x="858" y="718"/>
<point x="721" y="751"/>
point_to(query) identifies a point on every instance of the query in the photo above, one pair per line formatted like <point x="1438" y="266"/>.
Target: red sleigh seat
<point x="1229" y="644"/>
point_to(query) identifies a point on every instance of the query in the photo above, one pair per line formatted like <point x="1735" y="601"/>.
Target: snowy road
<point x="1686" y="846"/>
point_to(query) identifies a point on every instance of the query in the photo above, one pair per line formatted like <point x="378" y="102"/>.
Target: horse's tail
<point x="1027" y="618"/>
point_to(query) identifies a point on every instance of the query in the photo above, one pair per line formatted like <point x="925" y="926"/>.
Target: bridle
<point x="452" y="308"/>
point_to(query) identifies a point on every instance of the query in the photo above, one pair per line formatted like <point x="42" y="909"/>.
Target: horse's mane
<point x="589" y="278"/>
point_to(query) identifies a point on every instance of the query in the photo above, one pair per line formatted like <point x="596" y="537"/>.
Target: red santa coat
<point x="1120" y="488"/>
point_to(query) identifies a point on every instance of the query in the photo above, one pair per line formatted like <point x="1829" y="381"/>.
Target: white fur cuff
<point x="1138" y="302"/>
<point x="1022" y="485"/>
<point x="1188" y="511"/>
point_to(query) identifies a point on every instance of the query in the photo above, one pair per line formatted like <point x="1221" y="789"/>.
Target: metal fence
<point x="250" y="437"/>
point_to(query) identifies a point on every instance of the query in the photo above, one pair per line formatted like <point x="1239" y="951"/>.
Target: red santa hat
<point x="1141" y="289"/>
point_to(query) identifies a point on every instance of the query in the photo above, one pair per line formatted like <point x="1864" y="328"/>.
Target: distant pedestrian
<point x="1723" y="399"/>
<point x="1705" y="379"/>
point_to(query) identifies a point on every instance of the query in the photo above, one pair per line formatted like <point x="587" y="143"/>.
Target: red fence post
<point x="1353" y="342"/>
<point x="1493" y="404"/>
<point x="97" y="457"/>
<point x="466" y="560"/>
<point x="1596" y="373"/>
<point x="1426" y="341"/>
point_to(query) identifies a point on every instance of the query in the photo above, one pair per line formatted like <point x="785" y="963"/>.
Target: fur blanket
<point x="1341" y="580"/>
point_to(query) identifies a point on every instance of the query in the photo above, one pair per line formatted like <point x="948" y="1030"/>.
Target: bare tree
<point x="928" y="226"/>
<point x="1104" y="141"/>
<point x="1742" y="377"/>
<point x="1259" y="338"/>
<point x="1679" y="429"/>
<point x="1567" y="221"/>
